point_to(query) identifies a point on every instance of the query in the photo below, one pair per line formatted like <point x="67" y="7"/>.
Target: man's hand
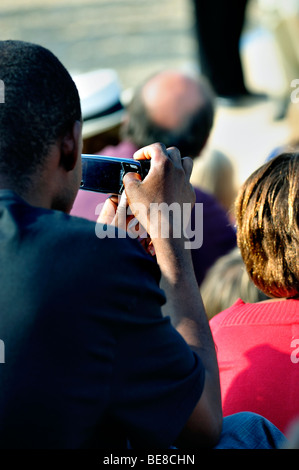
<point x="167" y="182"/>
<point x="115" y="212"/>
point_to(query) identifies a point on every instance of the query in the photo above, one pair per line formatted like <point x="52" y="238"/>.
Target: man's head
<point x="40" y="124"/>
<point x="174" y="109"/>
<point x="267" y="214"/>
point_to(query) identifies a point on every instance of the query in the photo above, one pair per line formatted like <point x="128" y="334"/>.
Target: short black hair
<point x="190" y="138"/>
<point x="41" y="104"/>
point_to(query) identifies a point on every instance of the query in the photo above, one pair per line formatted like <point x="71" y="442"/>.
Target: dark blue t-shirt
<point x="89" y="359"/>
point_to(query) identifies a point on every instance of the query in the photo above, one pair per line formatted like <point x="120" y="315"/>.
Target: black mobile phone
<point x="105" y="174"/>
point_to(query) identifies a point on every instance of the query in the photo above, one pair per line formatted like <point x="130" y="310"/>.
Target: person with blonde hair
<point x="227" y="281"/>
<point x="214" y="172"/>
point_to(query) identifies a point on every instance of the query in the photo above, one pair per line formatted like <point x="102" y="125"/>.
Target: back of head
<point x="174" y="109"/>
<point x="227" y="281"/>
<point x="214" y="172"/>
<point x="41" y="104"/>
<point x="267" y="226"/>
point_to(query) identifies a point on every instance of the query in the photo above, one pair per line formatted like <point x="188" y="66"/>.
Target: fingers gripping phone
<point x="105" y="174"/>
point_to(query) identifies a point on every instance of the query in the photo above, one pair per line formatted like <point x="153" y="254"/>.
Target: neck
<point x="36" y="196"/>
<point x="280" y="299"/>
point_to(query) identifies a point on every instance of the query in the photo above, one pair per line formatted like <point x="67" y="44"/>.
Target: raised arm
<point x="168" y="183"/>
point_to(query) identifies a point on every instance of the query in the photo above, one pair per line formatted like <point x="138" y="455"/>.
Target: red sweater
<point x="258" y="353"/>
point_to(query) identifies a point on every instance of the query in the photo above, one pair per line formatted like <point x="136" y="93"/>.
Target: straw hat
<point x="100" y="95"/>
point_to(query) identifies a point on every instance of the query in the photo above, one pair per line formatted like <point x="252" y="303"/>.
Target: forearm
<point x="184" y="303"/>
<point x="185" y="308"/>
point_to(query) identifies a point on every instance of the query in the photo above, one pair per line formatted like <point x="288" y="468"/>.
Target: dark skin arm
<point x="168" y="182"/>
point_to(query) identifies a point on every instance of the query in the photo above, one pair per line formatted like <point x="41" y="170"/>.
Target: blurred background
<point x="137" y="38"/>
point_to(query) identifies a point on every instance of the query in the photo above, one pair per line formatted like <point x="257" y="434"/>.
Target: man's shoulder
<point x="105" y="260"/>
<point x="57" y="225"/>
<point x="72" y="244"/>
<point x="87" y="235"/>
<point x="56" y="230"/>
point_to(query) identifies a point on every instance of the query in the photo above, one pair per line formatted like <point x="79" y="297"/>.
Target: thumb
<point x="131" y="182"/>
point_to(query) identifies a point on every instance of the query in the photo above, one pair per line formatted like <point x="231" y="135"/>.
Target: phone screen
<point x="102" y="176"/>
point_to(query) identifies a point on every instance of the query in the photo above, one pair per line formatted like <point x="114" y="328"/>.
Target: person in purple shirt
<point x="177" y="110"/>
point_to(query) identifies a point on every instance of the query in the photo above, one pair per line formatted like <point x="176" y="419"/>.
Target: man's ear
<point x="70" y="147"/>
